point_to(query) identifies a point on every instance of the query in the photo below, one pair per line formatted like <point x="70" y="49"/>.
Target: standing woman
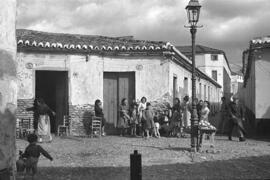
<point x="42" y="113"/>
<point x="186" y="112"/>
<point x="176" y="122"/>
<point x="205" y="111"/>
<point x="124" y="117"/>
<point x="141" y="109"/>
<point x="99" y="113"/>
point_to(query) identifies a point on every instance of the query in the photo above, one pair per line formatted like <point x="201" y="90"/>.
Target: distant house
<point x="215" y="64"/>
<point x="236" y="82"/>
<point x="71" y="71"/>
<point x="256" y="88"/>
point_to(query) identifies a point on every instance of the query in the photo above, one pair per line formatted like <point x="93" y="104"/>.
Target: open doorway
<point x="52" y="86"/>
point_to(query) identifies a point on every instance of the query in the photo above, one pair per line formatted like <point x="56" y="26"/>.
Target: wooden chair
<point x="18" y="128"/>
<point x="96" y="126"/>
<point x="65" y="127"/>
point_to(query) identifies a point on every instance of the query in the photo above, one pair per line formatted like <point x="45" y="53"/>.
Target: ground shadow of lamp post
<point x="193" y="13"/>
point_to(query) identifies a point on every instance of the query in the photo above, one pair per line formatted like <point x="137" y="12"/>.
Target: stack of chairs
<point x="24" y="127"/>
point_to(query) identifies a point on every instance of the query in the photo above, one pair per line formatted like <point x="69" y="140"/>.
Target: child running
<point x="31" y="155"/>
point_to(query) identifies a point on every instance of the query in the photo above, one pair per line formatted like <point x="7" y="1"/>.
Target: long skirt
<point x="186" y="119"/>
<point x="44" y="128"/>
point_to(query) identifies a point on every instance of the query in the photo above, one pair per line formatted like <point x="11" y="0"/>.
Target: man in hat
<point x="236" y="118"/>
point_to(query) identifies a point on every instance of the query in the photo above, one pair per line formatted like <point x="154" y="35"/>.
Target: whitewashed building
<point x="214" y="63"/>
<point x="71" y="71"/>
<point x="255" y="92"/>
<point x="236" y="82"/>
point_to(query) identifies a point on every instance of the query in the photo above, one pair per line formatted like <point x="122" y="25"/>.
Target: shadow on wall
<point x="221" y="169"/>
<point x="263" y="125"/>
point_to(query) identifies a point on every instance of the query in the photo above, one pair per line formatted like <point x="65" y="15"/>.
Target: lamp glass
<point x="193" y="12"/>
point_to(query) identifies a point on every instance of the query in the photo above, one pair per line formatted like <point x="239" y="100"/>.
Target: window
<point x="200" y="91"/>
<point x="214" y="57"/>
<point x="204" y="90"/>
<point x="186" y="86"/>
<point x="174" y="86"/>
<point x="209" y="93"/>
<point x="214" y="75"/>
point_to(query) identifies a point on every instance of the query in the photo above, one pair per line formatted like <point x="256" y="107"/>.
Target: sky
<point x="228" y="25"/>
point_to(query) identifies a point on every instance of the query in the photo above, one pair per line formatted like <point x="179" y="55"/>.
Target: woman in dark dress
<point x="148" y="118"/>
<point x="124" y="117"/>
<point x="176" y="122"/>
<point x="99" y="113"/>
<point x="42" y="114"/>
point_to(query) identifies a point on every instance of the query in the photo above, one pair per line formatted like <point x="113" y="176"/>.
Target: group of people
<point x="139" y="118"/>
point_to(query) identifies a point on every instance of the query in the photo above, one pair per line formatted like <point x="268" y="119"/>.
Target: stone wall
<point x="22" y="104"/>
<point x="80" y="119"/>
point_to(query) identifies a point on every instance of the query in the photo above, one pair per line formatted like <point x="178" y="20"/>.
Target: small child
<point x="133" y="120"/>
<point x="148" y="116"/>
<point x="157" y="125"/>
<point x="32" y="153"/>
<point x="164" y="123"/>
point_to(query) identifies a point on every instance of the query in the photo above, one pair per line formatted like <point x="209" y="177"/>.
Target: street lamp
<point x="193" y="13"/>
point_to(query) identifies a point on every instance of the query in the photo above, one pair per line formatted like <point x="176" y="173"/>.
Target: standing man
<point x="236" y="118"/>
<point x="224" y="115"/>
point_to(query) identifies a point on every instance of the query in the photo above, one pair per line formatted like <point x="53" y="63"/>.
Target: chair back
<point x="96" y="120"/>
<point x="26" y="123"/>
<point x="66" y="120"/>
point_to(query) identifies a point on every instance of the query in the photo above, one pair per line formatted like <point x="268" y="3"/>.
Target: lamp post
<point x="193" y="13"/>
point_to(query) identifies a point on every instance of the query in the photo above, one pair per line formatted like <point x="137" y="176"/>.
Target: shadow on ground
<point x="242" y="168"/>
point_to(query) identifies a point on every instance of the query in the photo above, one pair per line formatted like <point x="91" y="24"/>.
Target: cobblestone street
<point x="164" y="158"/>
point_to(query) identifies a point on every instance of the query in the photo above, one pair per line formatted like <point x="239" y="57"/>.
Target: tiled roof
<point x="37" y="40"/>
<point x="261" y="40"/>
<point x="58" y="41"/>
<point x="199" y="50"/>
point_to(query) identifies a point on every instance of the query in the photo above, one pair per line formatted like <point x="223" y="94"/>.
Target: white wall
<point x="206" y="65"/>
<point x="86" y="78"/>
<point x="181" y="73"/>
<point x="262" y="85"/>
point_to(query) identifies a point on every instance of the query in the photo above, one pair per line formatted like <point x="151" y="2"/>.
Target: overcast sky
<point x="227" y="24"/>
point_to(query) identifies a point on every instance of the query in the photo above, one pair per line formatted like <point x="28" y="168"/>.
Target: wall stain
<point x="2" y="156"/>
<point x="7" y="64"/>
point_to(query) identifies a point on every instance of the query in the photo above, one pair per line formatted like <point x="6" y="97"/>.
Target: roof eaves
<point x="58" y="41"/>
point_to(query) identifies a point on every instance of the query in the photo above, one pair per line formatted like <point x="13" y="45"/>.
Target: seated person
<point x="165" y="123"/>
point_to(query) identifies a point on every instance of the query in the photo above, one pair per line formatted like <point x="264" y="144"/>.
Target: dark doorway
<point x="52" y="86"/>
<point x="117" y="85"/>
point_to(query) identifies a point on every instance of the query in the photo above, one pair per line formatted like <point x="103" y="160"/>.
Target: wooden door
<point x="110" y="97"/>
<point x="61" y="97"/>
<point x="126" y="86"/>
<point x="116" y="86"/>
